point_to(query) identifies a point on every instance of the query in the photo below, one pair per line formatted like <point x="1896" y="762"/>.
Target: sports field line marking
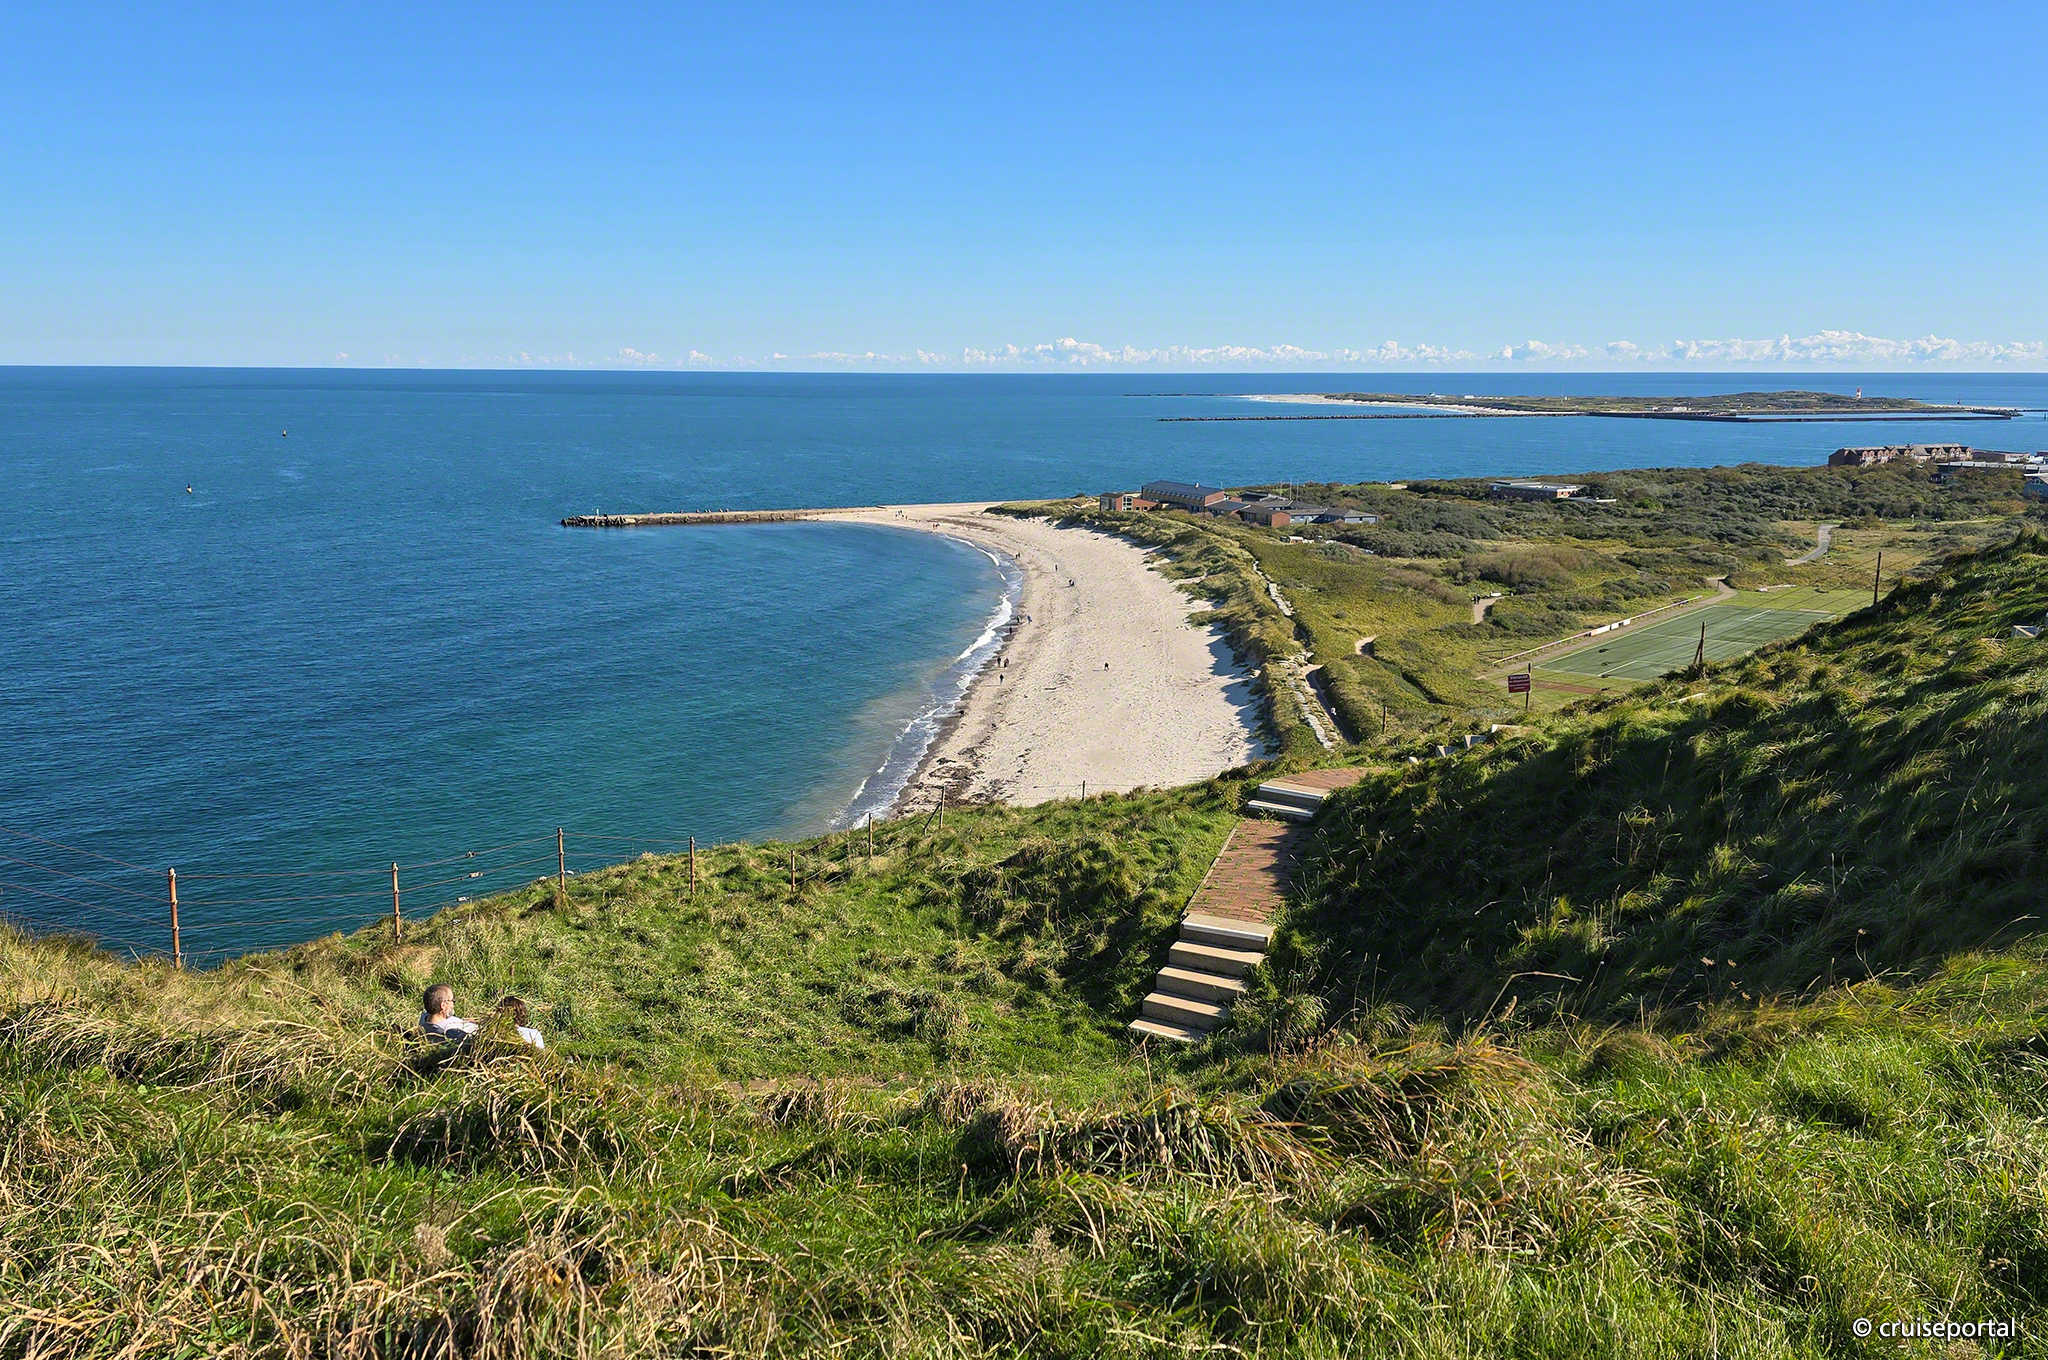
<point x="1732" y="630"/>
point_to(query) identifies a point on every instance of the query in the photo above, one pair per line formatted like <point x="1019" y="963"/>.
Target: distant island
<point x="1729" y="406"/>
<point x="1736" y="407"/>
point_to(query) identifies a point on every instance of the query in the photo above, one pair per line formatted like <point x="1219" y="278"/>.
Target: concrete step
<point x="1291" y="811"/>
<point x="1226" y="932"/>
<point x="1275" y="791"/>
<point x="1197" y="985"/>
<point x="1181" y="1010"/>
<point x="1208" y="958"/>
<point x="1159" y="1029"/>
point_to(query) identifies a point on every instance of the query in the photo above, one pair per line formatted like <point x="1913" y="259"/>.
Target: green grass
<point x="1007" y="941"/>
<point x="1673" y="1026"/>
<point x="1860" y="801"/>
<point x="1655" y="539"/>
<point x="1422" y="670"/>
<point x="1833" y="601"/>
<point x="1571" y="1190"/>
<point x="1649" y="650"/>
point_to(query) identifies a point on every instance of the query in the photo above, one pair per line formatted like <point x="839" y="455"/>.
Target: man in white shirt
<point x="439" y="1021"/>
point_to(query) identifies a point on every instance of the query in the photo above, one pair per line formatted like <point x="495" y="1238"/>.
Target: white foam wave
<point x="880" y="790"/>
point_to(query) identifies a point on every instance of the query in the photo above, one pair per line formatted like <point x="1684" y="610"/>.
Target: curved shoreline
<point x="1098" y="682"/>
<point x="909" y="755"/>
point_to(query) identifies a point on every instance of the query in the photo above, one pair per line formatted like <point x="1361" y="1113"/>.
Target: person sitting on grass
<point x="439" y="1020"/>
<point x="514" y="1010"/>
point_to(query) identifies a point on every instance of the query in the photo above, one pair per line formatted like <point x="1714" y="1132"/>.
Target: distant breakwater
<point x="688" y="517"/>
<point x="1369" y="415"/>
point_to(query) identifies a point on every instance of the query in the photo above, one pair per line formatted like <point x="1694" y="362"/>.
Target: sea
<point x="283" y="630"/>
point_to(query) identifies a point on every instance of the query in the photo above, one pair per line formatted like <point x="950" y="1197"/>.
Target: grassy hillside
<point x="1747" y="1189"/>
<point x="1003" y="941"/>
<point x="1491" y="1099"/>
<point x="1861" y="801"/>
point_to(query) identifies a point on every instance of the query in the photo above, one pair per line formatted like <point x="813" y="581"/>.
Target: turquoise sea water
<point x="367" y="640"/>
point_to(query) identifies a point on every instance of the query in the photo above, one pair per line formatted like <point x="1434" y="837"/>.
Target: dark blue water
<point x="367" y="640"/>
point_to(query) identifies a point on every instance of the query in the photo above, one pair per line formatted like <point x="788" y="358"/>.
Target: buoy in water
<point x="284" y="434"/>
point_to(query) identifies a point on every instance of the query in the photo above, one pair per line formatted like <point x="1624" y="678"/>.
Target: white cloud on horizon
<point x="1822" y="348"/>
<point x="1538" y="351"/>
<point x="1854" y="348"/>
<point x="1833" y="348"/>
<point x="1830" y="349"/>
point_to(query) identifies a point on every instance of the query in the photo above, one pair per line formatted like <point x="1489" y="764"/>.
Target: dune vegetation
<point x="1644" y="539"/>
<point x="1706" y="1019"/>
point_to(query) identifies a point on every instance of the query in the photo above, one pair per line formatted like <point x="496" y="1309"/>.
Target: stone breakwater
<point x="688" y="517"/>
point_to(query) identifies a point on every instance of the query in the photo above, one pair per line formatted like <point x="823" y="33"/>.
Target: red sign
<point x="1519" y="684"/>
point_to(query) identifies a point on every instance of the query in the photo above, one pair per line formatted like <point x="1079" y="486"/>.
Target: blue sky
<point x="1026" y="186"/>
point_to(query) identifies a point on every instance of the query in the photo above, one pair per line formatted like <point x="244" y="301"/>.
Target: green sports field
<point x="1647" y="650"/>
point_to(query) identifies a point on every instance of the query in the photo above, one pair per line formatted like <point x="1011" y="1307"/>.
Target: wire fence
<point x="49" y="886"/>
<point x="201" y="917"/>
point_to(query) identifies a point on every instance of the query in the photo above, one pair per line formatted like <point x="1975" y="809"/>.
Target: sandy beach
<point x="1103" y="680"/>
<point x="1419" y="404"/>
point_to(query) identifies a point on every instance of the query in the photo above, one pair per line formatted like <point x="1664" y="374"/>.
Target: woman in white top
<point x="513" y="1009"/>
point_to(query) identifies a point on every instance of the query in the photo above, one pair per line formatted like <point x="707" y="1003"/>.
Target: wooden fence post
<point x="561" y="870"/>
<point x="792" y="869"/>
<point x="871" y="842"/>
<point x="693" y="866"/>
<point x="177" y="945"/>
<point x="397" y="921"/>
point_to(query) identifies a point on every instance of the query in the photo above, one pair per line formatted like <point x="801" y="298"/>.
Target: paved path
<point x="1252" y="872"/>
<point x="1480" y="606"/>
<point x="1826" y="537"/>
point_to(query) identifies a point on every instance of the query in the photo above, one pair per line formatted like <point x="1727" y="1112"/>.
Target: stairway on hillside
<point x="1227" y="925"/>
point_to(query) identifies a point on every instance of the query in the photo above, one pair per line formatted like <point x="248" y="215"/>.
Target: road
<point x="1826" y="536"/>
